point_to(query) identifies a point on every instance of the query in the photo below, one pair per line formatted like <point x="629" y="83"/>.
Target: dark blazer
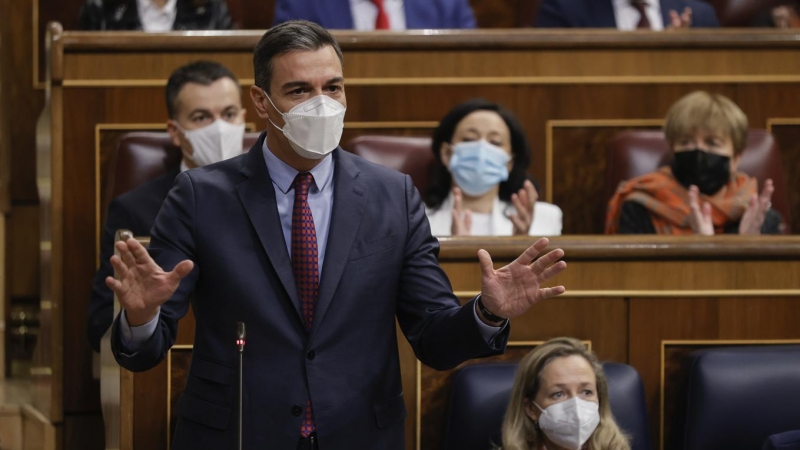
<point x="103" y="15"/>
<point x="600" y="13"/>
<point x="336" y="14"/>
<point x="135" y="210"/>
<point x="380" y="264"/>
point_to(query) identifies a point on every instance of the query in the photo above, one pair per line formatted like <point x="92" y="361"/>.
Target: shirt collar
<point x="283" y="175"/>
<point x="148" y="5"/>
<point x="626" y="3"/>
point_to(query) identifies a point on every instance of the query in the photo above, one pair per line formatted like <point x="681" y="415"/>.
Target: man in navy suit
<point x="318" y="251"/>
<point x="198" y="94"/>
<point x="378" y="14"/>
<point x="626" y="14"/>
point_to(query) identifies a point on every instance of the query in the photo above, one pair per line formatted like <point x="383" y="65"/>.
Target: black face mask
<point x="707" y="171"/>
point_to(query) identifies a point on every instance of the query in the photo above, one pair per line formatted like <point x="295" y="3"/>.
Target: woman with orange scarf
<point x="701" y="192"/>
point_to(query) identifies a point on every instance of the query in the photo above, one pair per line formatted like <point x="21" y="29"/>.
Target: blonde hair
<point x="521" y="433"/>
<point x="701" y="110"/>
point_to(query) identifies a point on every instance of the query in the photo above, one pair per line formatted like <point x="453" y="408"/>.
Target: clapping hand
<point x="756" y="212"/>
<point x="699" y="216"/>
<point x="462" y="218"/>
<point x="524" y="202"/>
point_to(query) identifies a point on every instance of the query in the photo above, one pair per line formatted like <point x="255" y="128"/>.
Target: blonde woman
<point x="560" y="402"/>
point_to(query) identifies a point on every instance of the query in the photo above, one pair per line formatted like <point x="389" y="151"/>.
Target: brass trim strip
<point x="487" y="81"/>
<point x="41" y="371"/>
<point x="575" y="123"/>
<point x="728" y="342"/>
<point x="667" y="293"/>
<point x="781" y="121"/>
<point x="396" y="124"/>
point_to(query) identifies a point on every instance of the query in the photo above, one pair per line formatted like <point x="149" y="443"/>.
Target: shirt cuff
<point x="134" y="338"/>
<point x="488" y="332"/>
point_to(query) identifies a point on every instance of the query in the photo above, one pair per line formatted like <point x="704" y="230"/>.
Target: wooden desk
<point x="572" y="90"/>
<point x="642" y="301"/>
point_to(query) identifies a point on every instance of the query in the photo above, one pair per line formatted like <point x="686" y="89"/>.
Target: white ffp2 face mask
<point x="313" y="127"/>
<point x="570" y="424"/>
<point x="215" y="142"/>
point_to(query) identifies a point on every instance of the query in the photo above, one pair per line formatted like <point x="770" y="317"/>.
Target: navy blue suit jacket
<point x="135" y="210"/>
<point x="380" y="264"/>
<point x="600" y="13"/>
<point x="336" y="14"/>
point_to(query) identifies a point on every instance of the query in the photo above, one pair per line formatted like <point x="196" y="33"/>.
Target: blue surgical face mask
<point x="478" y="166"/>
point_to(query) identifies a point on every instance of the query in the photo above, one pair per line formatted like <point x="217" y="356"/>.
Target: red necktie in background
<point x="641" y="6"/>
<point x="382" y="20"/>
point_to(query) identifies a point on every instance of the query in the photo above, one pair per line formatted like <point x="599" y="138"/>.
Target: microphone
<point x="241" y="335"/>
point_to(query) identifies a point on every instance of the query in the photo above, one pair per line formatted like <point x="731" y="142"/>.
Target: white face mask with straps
<point x="313" y="127"/>
<point x="215" y="142"/>
<point x="570" y="423"/>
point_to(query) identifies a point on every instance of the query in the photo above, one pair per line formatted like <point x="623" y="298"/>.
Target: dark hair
<point x="442" y="181"/>
<point x="200" y="72"/>
<point x="294" y="35"/>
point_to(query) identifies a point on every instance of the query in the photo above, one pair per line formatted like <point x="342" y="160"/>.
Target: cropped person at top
<point x="559" y="401"/>
<point x="154" y="15"/>
<point x="701" y="192"/>
<point x="626" y="14"/>
<point x="366" y="15"/>
<point x="481" y="187"/>
<point x="206" y="120"/>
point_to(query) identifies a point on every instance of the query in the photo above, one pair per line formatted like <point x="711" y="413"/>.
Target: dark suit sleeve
<point x="442" y="333"/>
<point x="703" y="15"/>
<point x="91" y="16"/>
<point x="172" y="241"/>
<point x="551" y="15"/>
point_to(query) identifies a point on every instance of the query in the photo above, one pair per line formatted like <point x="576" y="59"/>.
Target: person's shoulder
<point x="157" y="187"/>
<point x="213" y="173"/>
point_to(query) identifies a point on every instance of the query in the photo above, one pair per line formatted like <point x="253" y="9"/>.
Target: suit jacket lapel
<point x="258" y="198"/>
<point x="349" y="202"/>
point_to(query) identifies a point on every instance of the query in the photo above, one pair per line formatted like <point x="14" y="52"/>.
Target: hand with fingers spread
<point x="511" y="290"/>
<point x="142" y="286"/>
<point x="462" y="218"/>
<point x="756" y="212"/>
<point x="680" y="20"/>
<point x="699" y="217"/>
<point x="524" y="202"/>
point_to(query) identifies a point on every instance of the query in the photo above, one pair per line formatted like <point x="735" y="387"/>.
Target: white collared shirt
<point x="628" y="16"/>
<point x="155" y="19"/>
<point x="365" y="13"/>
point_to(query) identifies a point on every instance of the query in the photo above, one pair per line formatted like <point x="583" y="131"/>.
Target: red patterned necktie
<point x="305" y="266"/>
<point x="641" y="6"/>
<point x="382" y="20"/>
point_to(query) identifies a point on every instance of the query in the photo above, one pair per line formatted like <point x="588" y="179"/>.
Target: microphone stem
<point x="241" y="372"/>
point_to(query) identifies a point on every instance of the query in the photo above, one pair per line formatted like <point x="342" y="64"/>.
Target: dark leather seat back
<point x="480" y="394"/>
<point x="789" y="440"/>
<point x="142" y="156"/>
<point x="410" y="155"/>
<point x="738" y="397"/>
<point x="636" y="152"/>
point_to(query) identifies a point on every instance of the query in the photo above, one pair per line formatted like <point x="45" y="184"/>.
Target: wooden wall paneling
<point x="787" y="133"/>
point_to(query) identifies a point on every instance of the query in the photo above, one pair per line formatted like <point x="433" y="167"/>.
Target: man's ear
<point x="174" y="133"/>
<point x="259" y="101"/>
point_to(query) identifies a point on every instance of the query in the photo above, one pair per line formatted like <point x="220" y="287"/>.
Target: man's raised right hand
<point x="142" y="286"/>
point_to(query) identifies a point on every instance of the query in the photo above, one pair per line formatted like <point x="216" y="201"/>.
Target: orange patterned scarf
<point x="668" y="201"/>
